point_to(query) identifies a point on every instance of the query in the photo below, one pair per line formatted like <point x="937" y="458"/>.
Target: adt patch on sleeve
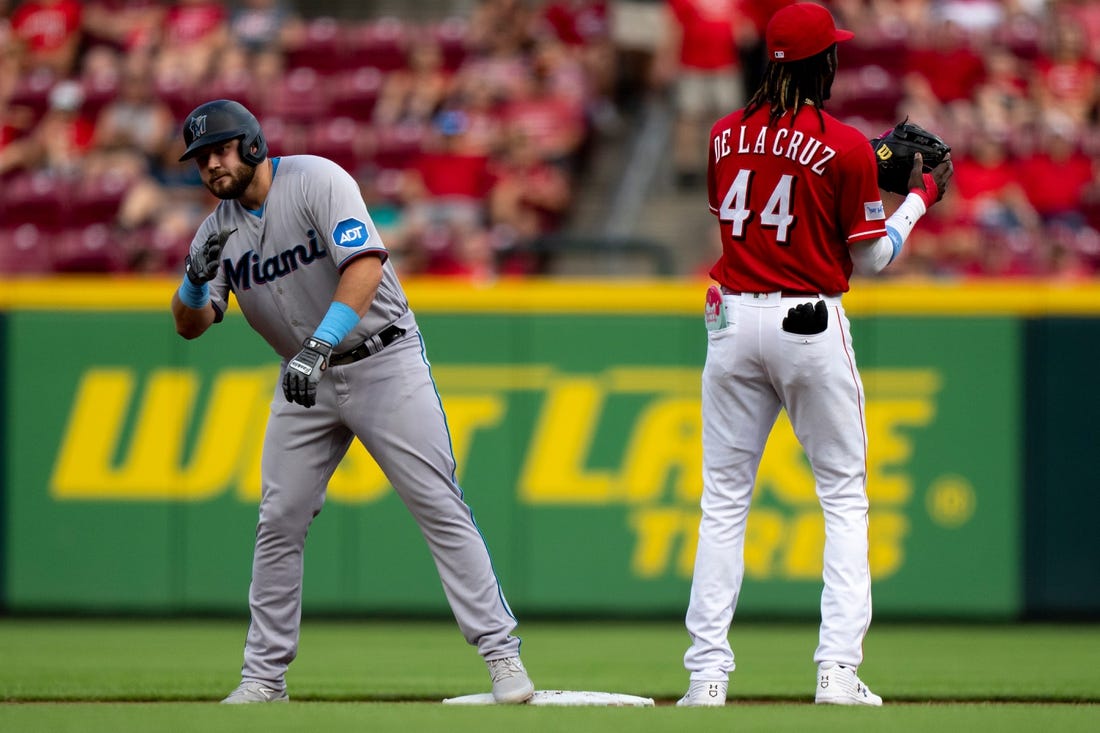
<point x="350" y="233"/>
<point x="874" y="211"/>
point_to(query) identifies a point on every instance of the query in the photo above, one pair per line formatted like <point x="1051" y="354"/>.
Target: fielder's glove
<point x="895" y="151"/>
<point x="303" y="372"/>
<point x="204" y="265"/>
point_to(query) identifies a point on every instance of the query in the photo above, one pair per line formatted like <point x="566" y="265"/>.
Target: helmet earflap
<point x="257" y="141"/>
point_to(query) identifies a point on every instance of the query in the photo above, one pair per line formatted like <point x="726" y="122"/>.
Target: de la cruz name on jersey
<point x="250" y="270"/>
<point x="794" y="145"/>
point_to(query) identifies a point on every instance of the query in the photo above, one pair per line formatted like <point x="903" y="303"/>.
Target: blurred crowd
<point x="1015" y="87"/>
<point x="1012" y="85"/>
<point x="466" y="134"/>
<point x="470" y="135"/>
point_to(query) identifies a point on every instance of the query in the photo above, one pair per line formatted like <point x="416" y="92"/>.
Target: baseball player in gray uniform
<point x="293" y="241"/>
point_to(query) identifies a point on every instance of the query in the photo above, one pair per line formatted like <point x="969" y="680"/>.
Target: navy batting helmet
<point x="221" y="120"/>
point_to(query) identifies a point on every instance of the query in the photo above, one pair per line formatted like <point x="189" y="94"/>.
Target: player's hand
<point x="204" y="265"/>
<point x="930" y="186"/>
<point x="303" y="372"/>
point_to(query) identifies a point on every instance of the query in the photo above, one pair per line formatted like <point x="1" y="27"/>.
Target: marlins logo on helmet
<point x="198" y="126"/>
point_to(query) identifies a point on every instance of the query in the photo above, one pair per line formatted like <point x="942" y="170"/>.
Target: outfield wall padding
<point x="131" y="456"/>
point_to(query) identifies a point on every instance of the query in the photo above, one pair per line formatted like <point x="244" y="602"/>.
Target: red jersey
<point x="189" y="24"/>
<point x="1071" y="81"/>
<point x="790" y="200"/>
<point x="578" y="22"/>
<point x="1055" y="184"/>
<point x="46" y="26"/>
<point x="455" y="174"/>
<point x="708" y="33"/>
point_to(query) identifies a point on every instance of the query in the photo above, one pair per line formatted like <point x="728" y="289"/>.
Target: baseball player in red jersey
<point x="796" y="195"/>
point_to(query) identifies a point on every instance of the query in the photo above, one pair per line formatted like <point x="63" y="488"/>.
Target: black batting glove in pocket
<point x="807" y="319"/>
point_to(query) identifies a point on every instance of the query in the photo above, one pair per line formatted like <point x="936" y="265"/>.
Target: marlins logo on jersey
<point x="350" y="233"/>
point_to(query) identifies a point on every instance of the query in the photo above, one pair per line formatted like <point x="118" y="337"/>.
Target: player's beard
<point x="233" y="184"/>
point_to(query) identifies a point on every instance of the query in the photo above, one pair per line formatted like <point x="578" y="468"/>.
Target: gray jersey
<point x="284" y="264"/>
<point x="284" y="261"/>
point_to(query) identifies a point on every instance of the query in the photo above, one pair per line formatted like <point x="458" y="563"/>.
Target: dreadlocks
<point x="791" y="86"/>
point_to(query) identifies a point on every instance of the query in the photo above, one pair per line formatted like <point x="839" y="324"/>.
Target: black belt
<point x="782" y="293"/>
<point x="373" y="345"/>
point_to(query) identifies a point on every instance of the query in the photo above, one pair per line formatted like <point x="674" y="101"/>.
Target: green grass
<point x="147" y="675"/>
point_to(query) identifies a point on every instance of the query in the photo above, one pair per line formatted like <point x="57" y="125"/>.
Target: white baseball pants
<point x="753" y="369"/>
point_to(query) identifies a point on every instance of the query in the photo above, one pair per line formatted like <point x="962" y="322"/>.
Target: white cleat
<point x="838" y="684"/>
<point x="704" y="693"/>
<point x="510" y="681"/>
<point x="251" y="692"/>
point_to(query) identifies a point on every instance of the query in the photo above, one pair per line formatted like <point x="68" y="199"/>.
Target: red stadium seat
<point x="321" y="49"/>
<point x="284" y="138"/>
<point x="37" y="198"/>
<point x="388" y="184"/>
<point x="869" y="92"/>
<point x="33" y="92"/>
<point x="398" y="146"/>
<point x="451" y="35"/>
<point x="886" y="51"/>
<point x="91" y="249"/>
<point x="98" y="92"/>
<point x="180" y="98"/>
<point x="299" y="98"/>
<point x="355" y="93"/>
<point x="238" y="86"/>
<point x="339" y="139"/>
<point x="23" y="251"/>
<point x="381" y="43"/>
<point x="96" y="200"/>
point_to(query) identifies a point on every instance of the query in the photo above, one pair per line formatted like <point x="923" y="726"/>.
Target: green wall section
<point x="131" y="468"/>
<point x="1062" y="505"/>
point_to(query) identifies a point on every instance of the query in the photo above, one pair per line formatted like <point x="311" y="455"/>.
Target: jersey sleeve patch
<point x="350" y="233"/>
<point x="874" y="211"/>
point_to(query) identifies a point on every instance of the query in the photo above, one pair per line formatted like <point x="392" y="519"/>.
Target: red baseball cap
<point x="800" y="31"/>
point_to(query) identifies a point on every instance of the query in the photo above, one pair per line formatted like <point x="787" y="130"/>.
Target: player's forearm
<point x="871" y="258"/>
<point x="359" y="282"/>
<point x="354" y="294"/>
<point x="191" y="322"/>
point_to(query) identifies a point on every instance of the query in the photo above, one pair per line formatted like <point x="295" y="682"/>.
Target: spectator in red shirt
<point x="448" y="183"/>
<point x="477" y="99"/>
<point x="125" y="25"/>
<point x="990" y="188"/>
<point x="59" y="142"/>
<point x="530" y="196"/>
<point x="1056" y="175"/>
<point x="1066" y="79"/>
<point x="699" y="57"/>
<point x="584" y="26"/>
<point x="1003" y="99"/>
<point x="1085" y="14"/>
<point x="194" y="32"/>
<point x="554" y="124"/>
<point x="445" y="193"/>
<point x="413" y="94"/>
<point x="942" y="59"/>
<point x="50" y="33"/>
